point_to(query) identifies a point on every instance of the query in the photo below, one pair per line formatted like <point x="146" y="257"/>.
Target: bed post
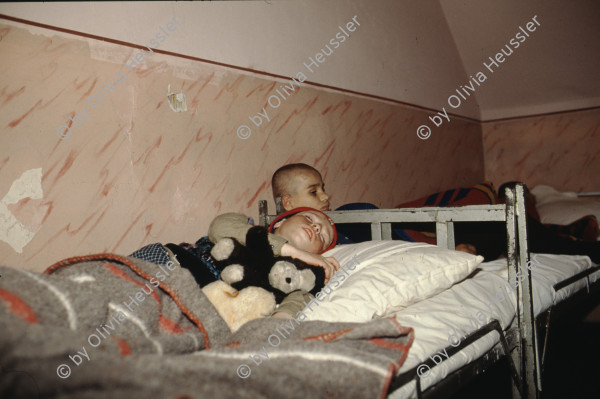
<point x="528" y="331"/>
<point x="511" y="255"/>
<point x="279" y="209"/>
<point x="444" y="232"/>
<point x="518" y="259"/>
<point x="263" y="213"/>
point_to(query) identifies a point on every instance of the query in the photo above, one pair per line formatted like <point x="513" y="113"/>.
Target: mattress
<point x="448" y="317"/>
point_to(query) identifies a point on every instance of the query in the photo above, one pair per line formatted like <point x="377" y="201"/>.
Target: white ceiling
<point x="416" y="52"/>
<point x="555" y="69"/>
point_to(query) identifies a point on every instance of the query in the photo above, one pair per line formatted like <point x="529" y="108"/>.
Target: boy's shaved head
<point x="297" y="185"/>
<point x="283" y="181"/>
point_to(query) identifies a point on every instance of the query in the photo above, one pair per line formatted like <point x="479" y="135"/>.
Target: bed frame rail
<point x="525" y="355"/>
<point x="381" y="219"/>
<point x="502" y="349"/>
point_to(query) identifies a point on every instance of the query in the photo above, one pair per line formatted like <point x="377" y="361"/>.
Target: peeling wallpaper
<point x="17" y="233"/>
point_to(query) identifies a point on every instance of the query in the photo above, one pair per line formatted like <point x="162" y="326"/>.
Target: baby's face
<point x="308" y="230"/>
<point x="309" y="192"/>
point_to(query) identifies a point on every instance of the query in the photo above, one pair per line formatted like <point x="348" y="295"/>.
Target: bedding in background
<point x="478" y="194"/>
<point x="391" y="275"/>
<point x="563" y="207"/>
<point x="172" y="342"/>
<point x="585" y="229"/>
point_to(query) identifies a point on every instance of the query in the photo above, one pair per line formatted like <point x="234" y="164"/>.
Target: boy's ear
<point x="286" y="201"/>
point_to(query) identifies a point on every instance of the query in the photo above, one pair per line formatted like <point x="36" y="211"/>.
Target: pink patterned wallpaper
<point x="560" y="150"/>
<point x="132" y="171"/>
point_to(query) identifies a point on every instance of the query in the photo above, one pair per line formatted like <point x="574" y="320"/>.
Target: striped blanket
<point x="108" y="326"/>
<point x="479" y="194"/>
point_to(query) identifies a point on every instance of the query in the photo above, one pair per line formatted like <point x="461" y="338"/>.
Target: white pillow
<point x="562" y="208"/>
<point x="379" y="277"/>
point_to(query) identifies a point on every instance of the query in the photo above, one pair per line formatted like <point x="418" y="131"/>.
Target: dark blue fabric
<point x="201" y="250"/>
<point x="201" y="264"/>
<point x="154" y="253"/>
<point x="351" y="233"/>
<point x="462" y="194"/>
<point x="400" y="234"/>
<point x="431" y="199"/>
<point x="342" y="239"/>
<point x="446" y="198"/>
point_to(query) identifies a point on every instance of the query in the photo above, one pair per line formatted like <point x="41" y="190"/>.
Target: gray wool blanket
<point x="108" y="326"/>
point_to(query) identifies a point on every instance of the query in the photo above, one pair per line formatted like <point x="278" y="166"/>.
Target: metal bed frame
<point x="518" y="343"/>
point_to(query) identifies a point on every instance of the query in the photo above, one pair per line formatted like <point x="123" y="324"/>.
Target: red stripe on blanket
<point x="140" y="272"/>
<point x="18" y="306"/>
<point x="403" y="330"/>
<point x="478" y="194"/>
<point x="124" y="347"/>
<point x="169" y="325"/>
<point x="394" y="367"/>
<point x="386" y="386"/>
<point x="382" y="342"/>
<point x="120" y="273"/>
<point x="328" y="336"/>
<point x="233" y="344"/>
<point x="164" y="323"/>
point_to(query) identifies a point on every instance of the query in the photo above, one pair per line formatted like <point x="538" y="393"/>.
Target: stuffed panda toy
<point x="254" y="265"/>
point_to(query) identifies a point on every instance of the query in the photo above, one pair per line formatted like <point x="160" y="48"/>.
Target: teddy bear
<point x="239" y="307"/>
<point x="254" y="265"/>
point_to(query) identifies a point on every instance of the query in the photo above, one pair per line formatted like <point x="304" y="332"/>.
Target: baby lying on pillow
<point x="303" y="233"/>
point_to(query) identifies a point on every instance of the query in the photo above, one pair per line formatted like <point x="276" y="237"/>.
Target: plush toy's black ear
<point x="319" y="279"/>
<point x="258" y="261"/>
<point x="200" y="272"/>
<point x="257" y="241"/>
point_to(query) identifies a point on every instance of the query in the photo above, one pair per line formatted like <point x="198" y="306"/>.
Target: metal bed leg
<point x="511" y="238"/>
<point x="419" y="391"/>
<point x="516" y="392"/>
<point x="518" y="258"/>
<point x="529" y="338"/>
<point x="494" y="325"/>
<point x="546" y="338"/>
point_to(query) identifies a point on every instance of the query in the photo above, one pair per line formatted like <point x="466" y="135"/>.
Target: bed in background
<point x="516" y="330"/>
<point x="565" y="208"/>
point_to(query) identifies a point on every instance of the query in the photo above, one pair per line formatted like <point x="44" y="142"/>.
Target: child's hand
<point x="468" y="248"/>
<point x="282" y="315"/>
<point x="330" y="264"/>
